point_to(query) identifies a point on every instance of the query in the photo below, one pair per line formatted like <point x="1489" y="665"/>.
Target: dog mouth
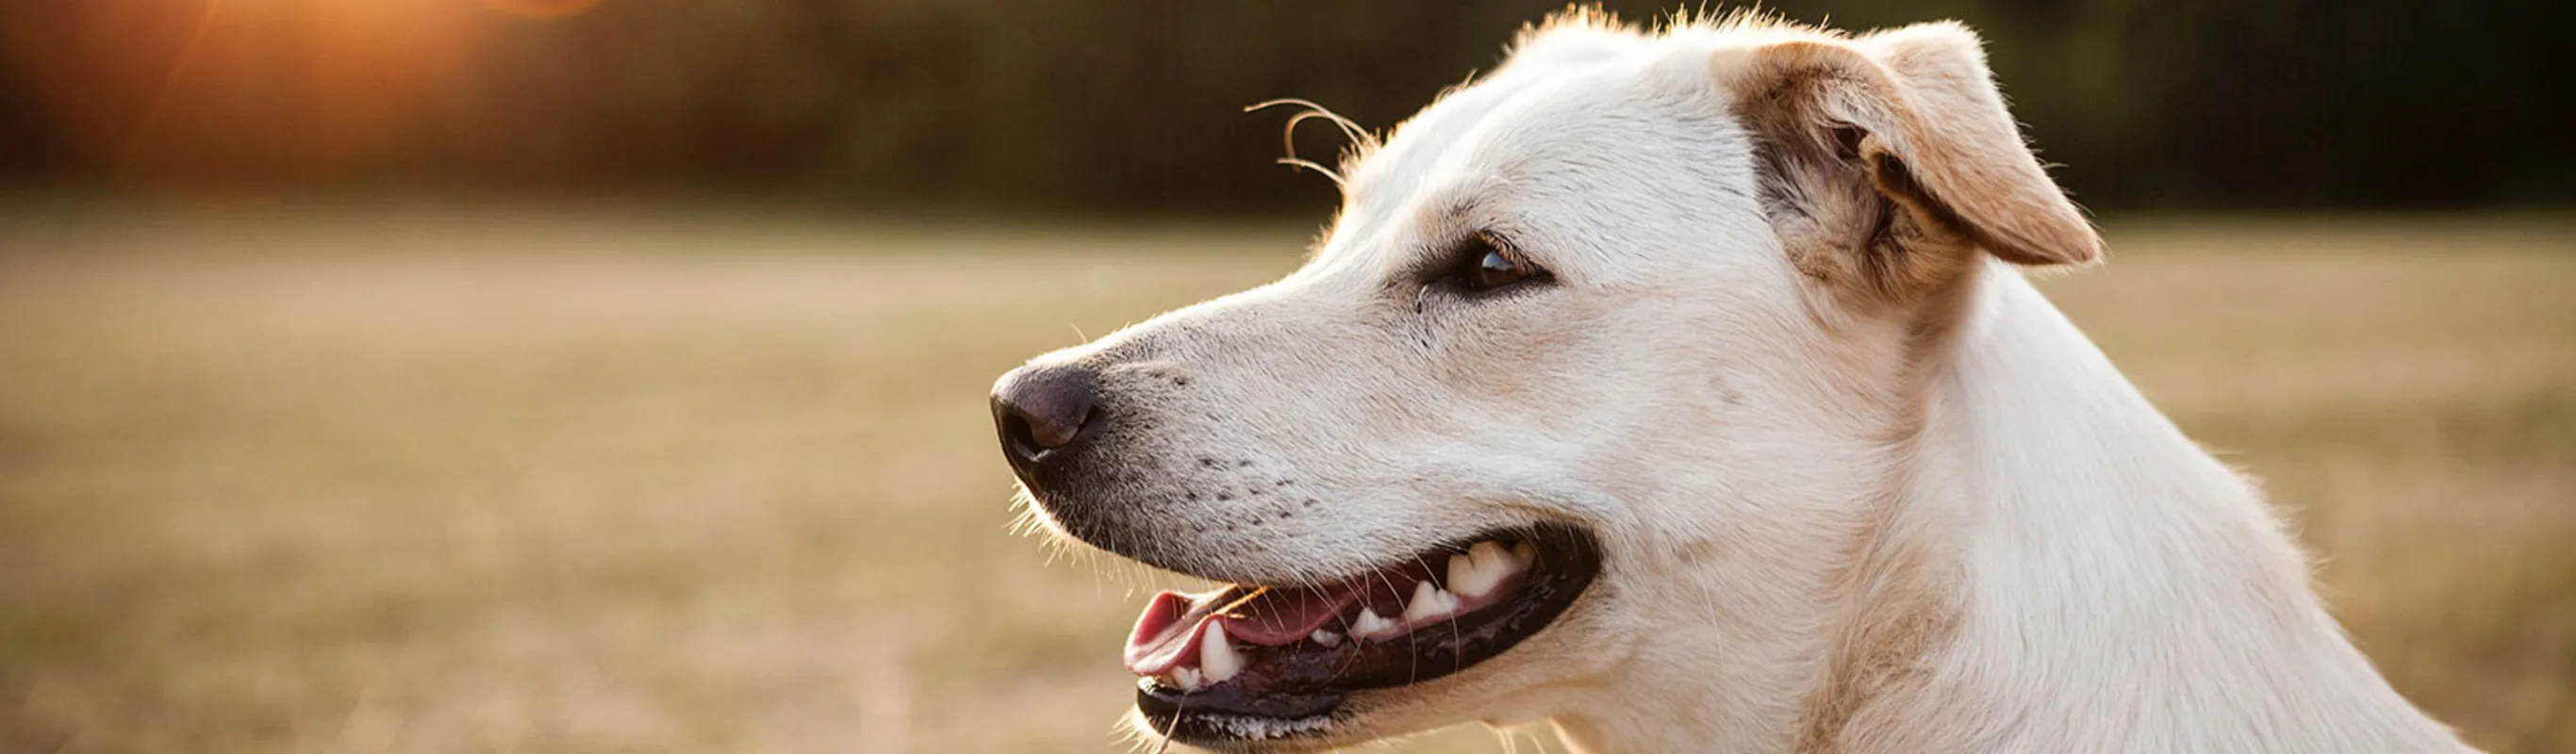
<point x="1251" y="662"/>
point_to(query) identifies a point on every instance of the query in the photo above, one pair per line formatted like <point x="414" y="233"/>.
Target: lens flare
<point x="281" y="93"/>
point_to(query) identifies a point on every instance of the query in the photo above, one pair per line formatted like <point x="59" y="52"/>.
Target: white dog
<point x="1682" y="389"/>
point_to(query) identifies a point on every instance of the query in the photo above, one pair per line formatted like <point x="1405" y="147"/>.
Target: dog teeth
<point x="1187" y="679"/>
<point x="1429" y="602"/>
<point x="1467" y="573"/>
<point x="1371" y="626"/>
<point x="1217" y="659"/>
<point x="1477" y="571"/>
<point x="1473" y="574"/>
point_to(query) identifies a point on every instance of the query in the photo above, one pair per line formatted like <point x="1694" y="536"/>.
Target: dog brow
<point x="1446" y="219"/>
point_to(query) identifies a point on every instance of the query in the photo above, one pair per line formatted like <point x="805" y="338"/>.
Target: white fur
<point x="2126" y="591"/>
<point x="1765" y="472"/>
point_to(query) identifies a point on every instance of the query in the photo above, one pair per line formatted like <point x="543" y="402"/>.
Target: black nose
<point x="1041" y="411"/>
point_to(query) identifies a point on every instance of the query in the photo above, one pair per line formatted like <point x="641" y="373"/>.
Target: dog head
<point x="1595" y="380"/>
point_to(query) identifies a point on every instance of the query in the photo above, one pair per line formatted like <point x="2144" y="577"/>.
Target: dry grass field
<point x="444" y="481"/>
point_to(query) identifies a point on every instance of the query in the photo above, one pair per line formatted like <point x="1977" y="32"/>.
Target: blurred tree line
<point x="1136" y="106"/>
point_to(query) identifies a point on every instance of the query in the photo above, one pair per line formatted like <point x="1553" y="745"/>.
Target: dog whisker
<point x="1358" y="140"/>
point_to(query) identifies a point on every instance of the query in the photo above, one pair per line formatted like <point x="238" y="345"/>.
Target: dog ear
<point x="1889" y="160"/>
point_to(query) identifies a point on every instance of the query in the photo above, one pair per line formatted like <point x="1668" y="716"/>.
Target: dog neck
<point x="2060" y="569"/>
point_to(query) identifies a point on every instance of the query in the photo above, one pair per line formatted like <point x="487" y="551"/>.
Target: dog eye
<point x="1487" y="267"/>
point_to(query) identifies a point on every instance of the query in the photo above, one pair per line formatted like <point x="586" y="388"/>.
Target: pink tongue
<point x="1168" y="633"/>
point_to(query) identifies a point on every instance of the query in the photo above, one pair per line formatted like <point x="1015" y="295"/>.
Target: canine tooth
<point x="1186" y="678"/>
<point x="1370" y="624"/>
<point x="1476" y="572"/>
<point x="1325" y="637"/>
<point x="1525" y="552"/>
<point x="1217" y="660"/>
<point x="1429" y="602"/>
<point x="1464" y="569"/>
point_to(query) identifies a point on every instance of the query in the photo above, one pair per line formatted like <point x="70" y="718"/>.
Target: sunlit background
<point x="573" y="375"/>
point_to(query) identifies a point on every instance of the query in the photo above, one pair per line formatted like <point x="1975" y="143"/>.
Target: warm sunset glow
<point x="543" y="8"/>
<point x="284" y="91"/>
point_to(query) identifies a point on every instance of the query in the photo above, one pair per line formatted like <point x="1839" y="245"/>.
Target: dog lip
<point x="1170" y="710"/>
<point x="1177" y="714"/>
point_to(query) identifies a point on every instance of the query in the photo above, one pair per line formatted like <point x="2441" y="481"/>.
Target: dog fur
<point x="1859" y="486"/>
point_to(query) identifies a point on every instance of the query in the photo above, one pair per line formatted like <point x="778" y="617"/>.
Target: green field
<point x="447" y="481"/>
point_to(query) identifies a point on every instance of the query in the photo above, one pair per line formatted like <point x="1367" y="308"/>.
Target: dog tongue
<point x="1169" y="630"/>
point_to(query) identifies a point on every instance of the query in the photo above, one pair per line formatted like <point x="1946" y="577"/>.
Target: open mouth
<point x="1251" y="661"/>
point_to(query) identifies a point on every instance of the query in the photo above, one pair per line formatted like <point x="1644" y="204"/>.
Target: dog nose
<point x="1041" y="410"/>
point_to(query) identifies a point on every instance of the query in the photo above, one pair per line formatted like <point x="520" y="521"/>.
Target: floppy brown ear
<point x="1891" y="158"/>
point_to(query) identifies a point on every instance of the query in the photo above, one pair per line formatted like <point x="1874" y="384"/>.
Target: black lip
<point x="1306" y="680"/>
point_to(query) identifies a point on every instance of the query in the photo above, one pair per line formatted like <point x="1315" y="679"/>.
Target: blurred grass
<point x="464" y="481"/>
